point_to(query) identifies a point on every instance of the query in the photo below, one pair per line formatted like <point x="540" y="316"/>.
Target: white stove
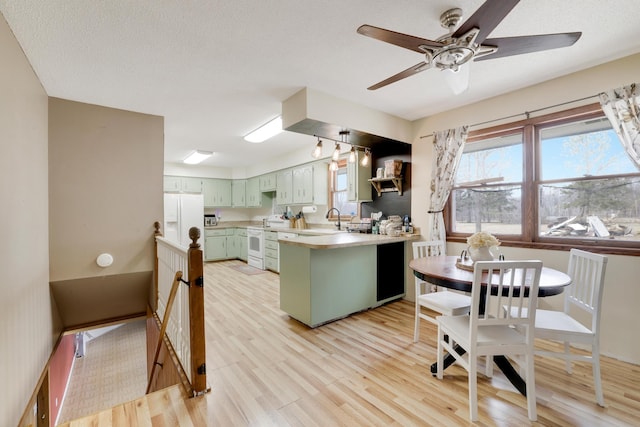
<point x="255" y="247"/>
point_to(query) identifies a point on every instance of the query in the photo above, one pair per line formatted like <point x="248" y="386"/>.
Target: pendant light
<point x="352" y="155"/>
<point x="336" y="152"/>
<point x="366" y="157"/>
<point x="317" y="152"/>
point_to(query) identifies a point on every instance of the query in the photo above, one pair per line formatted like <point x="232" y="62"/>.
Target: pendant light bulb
<point x="365" y="158"/>
<point x="333" y="166"/>
<point x="317" y="152"/>
<point x="352" y="155"/>
<point x="336" y="153"/>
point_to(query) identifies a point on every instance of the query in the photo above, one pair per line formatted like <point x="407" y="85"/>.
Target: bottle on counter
<point x="406" y="223"/>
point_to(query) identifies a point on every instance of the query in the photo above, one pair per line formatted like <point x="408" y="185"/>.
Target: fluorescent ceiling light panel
<point x="197" y="156"/>
<point x="265" y="131"/>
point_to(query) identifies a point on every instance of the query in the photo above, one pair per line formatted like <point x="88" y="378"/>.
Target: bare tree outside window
<point x="552" y="179"/>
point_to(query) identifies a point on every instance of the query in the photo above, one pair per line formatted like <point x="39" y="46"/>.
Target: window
<point x="557" y="180"/>
<point x="338" y="194"/>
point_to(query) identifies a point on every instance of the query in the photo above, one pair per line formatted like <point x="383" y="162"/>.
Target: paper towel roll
<point x="310" y="209"/>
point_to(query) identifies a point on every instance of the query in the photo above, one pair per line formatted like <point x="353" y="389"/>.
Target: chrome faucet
<point x="334" y="209"/>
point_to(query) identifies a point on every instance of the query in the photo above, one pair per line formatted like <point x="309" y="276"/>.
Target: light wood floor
<point x="265" y="369"/>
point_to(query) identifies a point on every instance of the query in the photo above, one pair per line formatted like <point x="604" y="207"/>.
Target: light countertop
<point x="344" y="240"/>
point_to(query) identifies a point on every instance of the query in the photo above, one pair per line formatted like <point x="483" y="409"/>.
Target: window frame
<point x="342" y="164"/>
<point x="531" y="181"/>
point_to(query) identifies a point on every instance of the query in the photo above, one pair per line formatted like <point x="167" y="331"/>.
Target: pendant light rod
<point x="346" y="133"/>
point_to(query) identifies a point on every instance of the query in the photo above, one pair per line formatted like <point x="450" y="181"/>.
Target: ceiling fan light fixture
<point x="266" y="131"/>
<point x="457" y="80"/>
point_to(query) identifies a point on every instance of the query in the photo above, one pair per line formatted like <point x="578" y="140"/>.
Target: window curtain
<point x="447" y="151"/>
<point x="621" y="108"/>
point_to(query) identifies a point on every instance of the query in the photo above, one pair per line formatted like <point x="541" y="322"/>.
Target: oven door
<point x="255" y="248"/>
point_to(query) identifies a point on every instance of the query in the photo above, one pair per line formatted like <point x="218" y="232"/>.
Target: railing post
<point x="154" y="291"/>
<point x="196" y="314"/>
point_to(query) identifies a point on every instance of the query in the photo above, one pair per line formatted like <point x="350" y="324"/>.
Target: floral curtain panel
<point x="447" y="151"/>
<point x="621" y="108"/>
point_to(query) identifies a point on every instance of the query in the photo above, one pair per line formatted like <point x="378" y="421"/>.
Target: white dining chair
<point x="584" y="294"/>
<point x="442" y="302"/>
<point x="481" y="334"/>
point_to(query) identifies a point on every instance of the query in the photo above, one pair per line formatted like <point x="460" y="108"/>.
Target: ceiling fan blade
<point x="401" y="75"/>
<point x="403" y="40"/>
<point x="509" y="46"/>
<point x="486" y="18"/>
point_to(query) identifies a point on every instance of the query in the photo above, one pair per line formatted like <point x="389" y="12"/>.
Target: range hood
<point x="314" y="113"/>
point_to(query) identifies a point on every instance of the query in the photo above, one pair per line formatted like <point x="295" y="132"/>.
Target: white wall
<point x="621" y="294"/>
<point x="27" y="325"/>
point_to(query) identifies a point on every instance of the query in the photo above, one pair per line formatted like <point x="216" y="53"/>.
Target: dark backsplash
<point x="391" y="203"/>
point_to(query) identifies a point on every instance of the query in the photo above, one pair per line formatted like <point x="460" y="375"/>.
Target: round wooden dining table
<point x="443" y="271"/>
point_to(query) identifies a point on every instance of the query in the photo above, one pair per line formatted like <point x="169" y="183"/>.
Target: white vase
<point x="482" y="253"/>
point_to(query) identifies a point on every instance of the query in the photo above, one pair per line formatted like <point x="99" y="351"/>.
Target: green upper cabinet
<point x="303" y="184"/>
<point x="268" y="182"/>
<point x="238" y="193"/>
<point x="284" y="187"/>
<point x="321" y="183"/>
<point x="359" y="188"/>
<point x="217" y="192"/>
<point x="182" y="184"/>
<point x="253" y="193"/>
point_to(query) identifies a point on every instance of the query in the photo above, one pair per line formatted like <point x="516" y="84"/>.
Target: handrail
<point x="183" y="325"/>
<point x="163" y="328"/>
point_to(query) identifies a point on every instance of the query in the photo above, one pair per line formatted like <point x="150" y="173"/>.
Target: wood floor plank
<point x="269" y="370"/>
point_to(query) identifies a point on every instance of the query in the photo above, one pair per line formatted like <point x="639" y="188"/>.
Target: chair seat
<point x="447" y="303"/>
<point x="549" y="323"/>
<point x="458" y="329"/>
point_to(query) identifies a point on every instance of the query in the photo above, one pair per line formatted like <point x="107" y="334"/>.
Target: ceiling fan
<point x="453" y="52"/>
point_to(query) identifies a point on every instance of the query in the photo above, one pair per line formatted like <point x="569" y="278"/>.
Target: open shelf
<point x="380" y="184"/>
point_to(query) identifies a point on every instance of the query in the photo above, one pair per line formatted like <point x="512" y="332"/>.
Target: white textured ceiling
<point x="218" y="69"/>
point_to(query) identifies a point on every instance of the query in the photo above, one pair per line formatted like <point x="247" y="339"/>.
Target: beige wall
<point x="105" y="188"/>
<point x="621" y="291"/>
<point x="105" y="192"/>
<point x="27" y="325"/>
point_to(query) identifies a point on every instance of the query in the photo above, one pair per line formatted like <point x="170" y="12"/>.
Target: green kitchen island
<point x="325" y="278"/>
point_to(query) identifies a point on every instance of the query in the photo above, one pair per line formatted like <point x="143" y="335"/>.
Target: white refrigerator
<point x="181" y="212"/>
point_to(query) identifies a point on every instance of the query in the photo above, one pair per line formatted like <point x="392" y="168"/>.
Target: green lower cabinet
<point x="215" y="248"/>
<point x="241" y="235"/>
<point x="321" y="285"/>
<point x="222" y="244"/>
<point x="271" y="252"/>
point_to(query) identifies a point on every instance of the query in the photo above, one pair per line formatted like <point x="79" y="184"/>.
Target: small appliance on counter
<point x="210" y="220"/>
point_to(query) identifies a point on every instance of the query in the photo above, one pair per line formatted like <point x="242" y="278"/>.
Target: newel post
<point x="196" y="315"/>
<point x="154" y="291"/>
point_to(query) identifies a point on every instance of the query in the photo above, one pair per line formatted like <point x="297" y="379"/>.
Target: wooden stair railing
<point x="196" y="314"/>
<point x="197" y="342"/>
<point x="163" y="327"/>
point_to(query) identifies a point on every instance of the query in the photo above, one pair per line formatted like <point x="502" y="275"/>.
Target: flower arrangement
<point x="482" y="238"/>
